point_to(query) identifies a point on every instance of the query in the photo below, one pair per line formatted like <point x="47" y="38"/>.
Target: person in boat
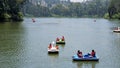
<point x="33" y="20"/>
<point x="118" y="28"/>
<point x="79" y="53"/>
<point x="50" y="46"/>
<point x="57" y="47"/>
<point x="57" y="39"/>
<point x="93" y="53"/>
<point x="63" y="38"/>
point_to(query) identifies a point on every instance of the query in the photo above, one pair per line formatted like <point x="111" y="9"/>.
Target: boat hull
<point x="53" y="50"/>
<point x="60" y="42"/>
<point x="117" y="31"/>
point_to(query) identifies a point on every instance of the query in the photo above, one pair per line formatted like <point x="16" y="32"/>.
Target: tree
<point x="10" y="9"/>
<point x="114" y="9"/>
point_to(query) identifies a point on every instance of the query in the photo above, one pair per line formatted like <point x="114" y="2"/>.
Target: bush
<point x="6" y="16"/>
<point x="116" y="16"/>
<point x="106" y="16"/>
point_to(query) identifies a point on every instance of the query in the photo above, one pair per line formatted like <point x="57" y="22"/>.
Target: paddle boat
<point x="33" y="20"/>
<point x="117" y="30"/>
<point x="85" y="58"/>
<point x="53" y="49"/>
<point x="60" y="40"/>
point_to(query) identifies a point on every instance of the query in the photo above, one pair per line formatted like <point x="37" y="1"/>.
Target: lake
<point x="24" y="44"/>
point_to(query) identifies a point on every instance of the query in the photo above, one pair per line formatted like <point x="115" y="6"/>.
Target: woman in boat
<point x="79" y="53"/>
<point x="93" y="53"/>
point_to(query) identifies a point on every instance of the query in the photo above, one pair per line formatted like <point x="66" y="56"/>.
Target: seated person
<point x="93" y="53"/>
<point x="79" y="53"/>
<point x="57" y="39"/>
<point x="63" y="39"/>
<point x="50" y="46"/>
<point x="57" y="47"/>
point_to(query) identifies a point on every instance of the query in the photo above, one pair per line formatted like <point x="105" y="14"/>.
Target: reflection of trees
<point x="79" y="65"/>
<point x="11" y="44"/>
<point x="53" y="55"/>
<point x="92" y="64"/>
<point x="83" y="64"/>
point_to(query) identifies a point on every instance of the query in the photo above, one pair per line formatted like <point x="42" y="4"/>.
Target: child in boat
<point x="79" y="53"/>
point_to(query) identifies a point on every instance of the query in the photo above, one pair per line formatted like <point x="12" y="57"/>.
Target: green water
<point x="24" y="44"/>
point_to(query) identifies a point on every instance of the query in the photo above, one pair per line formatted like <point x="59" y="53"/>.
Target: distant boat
<point x="60" y="40"/>
<point x="33" y="20"/>
<point x="94" y="20"/>
<point x="117" y="30"/>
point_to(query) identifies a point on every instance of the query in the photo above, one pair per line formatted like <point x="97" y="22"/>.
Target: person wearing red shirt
<point x="50" y="46"/>
<point x="93" y="53"/>
<point x="79" y="53"/>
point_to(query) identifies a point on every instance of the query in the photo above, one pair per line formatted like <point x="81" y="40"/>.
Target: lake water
<point x="24" y="44"/>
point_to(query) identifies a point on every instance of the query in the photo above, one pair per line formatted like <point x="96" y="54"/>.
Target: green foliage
<point x="114" y="9"/>
<point x="116" y="16"/>
<point x="32" y="10"/>
<point x="6" y="15"/>
<point x="106" y="16"/>
<point x="10" y="9"/>
<point x="90" y="8"/>
<point x="60" y="10"/>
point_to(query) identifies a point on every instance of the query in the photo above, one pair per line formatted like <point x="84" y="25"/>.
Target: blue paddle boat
<point x="85" y="58"/>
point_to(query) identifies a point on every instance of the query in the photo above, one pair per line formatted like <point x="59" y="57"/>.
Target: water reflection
<point x="11" y="44"/>
<point x="61" y="45"/>
<point x="53" y="55"/>
<point x="85" y="64"/>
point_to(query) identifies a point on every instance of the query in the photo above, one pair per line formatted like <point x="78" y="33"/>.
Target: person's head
<point x="92" y="50"/>
<point x="63" y="37"/>
<point x="50" y="44"/>
<point x="78" y="51"/>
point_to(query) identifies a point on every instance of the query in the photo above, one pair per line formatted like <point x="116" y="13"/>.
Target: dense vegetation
<point x="114" y="9"/>
<point x="90" y="8"/>
<point x="10" y="10"/>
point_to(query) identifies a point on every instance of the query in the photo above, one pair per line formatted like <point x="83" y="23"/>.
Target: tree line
<point x="15" y="9"/>
<point x="90" y="8"/>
